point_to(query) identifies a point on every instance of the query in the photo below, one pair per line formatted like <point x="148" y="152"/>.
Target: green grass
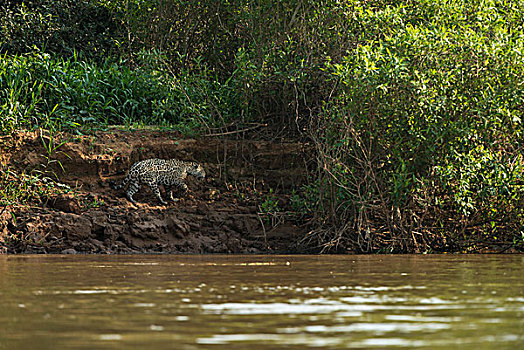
<point x="22" y="188"/>
<point x="39" y="90"/>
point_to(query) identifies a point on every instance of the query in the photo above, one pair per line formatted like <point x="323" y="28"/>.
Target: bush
<point x="422" y="136"/>
<point x="59" y="27"/>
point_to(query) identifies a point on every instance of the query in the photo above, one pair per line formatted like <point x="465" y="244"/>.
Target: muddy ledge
<point x="222" y="214"/>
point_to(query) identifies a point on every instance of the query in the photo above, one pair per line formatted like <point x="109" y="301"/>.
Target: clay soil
<point x="231" y="211"/>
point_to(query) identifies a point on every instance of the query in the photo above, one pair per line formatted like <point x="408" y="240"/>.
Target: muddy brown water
<point x="262" y="302"/>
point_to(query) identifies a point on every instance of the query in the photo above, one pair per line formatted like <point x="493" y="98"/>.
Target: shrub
<point x="60" y="27"/>
<point x="423" y="133"/>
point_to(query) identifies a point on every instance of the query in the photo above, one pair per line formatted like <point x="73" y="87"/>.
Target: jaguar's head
<point x="197" y="171"/>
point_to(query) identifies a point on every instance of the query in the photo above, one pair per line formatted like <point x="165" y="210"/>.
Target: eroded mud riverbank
<point x="223" y="214"/>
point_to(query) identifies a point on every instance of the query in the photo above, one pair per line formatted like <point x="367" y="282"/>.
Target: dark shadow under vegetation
<point x="413" y="109"/>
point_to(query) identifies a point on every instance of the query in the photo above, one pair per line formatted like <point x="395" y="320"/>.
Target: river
<point x="262" y="302"/>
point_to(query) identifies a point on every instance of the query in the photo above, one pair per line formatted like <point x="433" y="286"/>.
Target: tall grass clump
<point x="42" y="91"/>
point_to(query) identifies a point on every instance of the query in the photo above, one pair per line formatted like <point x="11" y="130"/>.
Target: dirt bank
<point x="239" y="208"/>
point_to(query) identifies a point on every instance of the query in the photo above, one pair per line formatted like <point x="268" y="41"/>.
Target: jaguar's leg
<point x="182" y="188"/>
<point x="169" y="190"/>
<point x="156" y="191"/>
<point x="131" y="190"/>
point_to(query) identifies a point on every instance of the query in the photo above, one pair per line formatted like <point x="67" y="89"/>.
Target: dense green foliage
<point x="414" y="108"/>
<point x="39" y="90"/>
<point x="424" y="131"/>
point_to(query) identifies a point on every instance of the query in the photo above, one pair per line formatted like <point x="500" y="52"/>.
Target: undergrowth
<point x="413" y="108"/>
<point x="23" y="188"/>
<point x="38" y="90"/>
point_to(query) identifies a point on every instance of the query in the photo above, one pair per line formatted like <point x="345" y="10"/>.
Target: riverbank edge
<point x="243" y="206"/>
<point x="247" y="204"/>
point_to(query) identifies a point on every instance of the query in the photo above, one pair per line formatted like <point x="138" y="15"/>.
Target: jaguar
<point x="154" y="172"/>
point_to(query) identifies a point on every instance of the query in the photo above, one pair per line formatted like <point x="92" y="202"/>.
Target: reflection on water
<point x="261" y="302"/>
